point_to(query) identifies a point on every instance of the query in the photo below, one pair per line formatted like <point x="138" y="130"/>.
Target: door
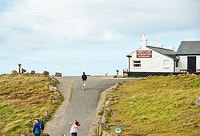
<point x="191" y="64"/>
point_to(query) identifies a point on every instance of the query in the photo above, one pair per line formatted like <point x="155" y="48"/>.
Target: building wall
<point x="154" y="64"/>
<point x="182" y="64"/>
<point x="198" y="62"/>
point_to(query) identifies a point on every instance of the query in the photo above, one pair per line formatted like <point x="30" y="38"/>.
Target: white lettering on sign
<point x="144" y="53"/>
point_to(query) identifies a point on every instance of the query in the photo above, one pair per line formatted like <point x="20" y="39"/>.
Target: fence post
<point x="98" y="129"/>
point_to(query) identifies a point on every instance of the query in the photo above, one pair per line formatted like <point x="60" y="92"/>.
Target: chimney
<point x="160" y="45"/>
<point x="143" y="43"/>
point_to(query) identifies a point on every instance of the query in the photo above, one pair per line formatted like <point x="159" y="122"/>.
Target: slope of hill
<point x="156" y="106"/>
<point x="24" y="97"/>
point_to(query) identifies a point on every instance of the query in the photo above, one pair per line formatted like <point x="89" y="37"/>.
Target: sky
<point x="93" y="36"/>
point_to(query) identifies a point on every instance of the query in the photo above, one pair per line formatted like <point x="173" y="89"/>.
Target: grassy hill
<point x="23" y="98"/>
<point x="156" y="106"/>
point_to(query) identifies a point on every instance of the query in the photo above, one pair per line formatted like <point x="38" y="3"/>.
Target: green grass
<point x="95" y="132"/>
<point x="157" y="106"/>
<point x="24" y="97"/>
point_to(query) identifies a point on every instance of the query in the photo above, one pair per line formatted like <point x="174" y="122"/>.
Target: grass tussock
<point x="157" y="106"/>
<point x="23" y="98"/>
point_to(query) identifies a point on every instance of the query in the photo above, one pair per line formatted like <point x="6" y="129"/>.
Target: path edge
<point x="100" y="106"/>
<point x="57" y="117"/>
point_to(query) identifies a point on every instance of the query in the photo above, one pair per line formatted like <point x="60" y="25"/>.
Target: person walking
<point x="36" y="128"/>
<point x="74" y="126"/>
<point x="84" y="78"/>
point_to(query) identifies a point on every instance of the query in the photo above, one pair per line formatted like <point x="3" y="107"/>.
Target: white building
<point x="150" y="60"/>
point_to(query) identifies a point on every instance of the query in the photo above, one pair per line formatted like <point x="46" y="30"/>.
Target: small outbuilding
<point x="189" y="57"/>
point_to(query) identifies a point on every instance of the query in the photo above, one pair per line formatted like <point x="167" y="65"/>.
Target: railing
<point x="125" y="72"/>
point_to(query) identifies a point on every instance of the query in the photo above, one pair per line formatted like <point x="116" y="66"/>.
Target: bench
<point x="198" y="70"/>
<point x="183" y="70"/>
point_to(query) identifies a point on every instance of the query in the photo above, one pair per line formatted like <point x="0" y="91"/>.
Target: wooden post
<point x="19" y="67"/>
<point x="98" y="129"/>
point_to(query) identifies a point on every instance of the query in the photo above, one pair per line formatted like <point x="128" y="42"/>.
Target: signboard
<point x="144" y="53"/>
<point x="118" y="130"/>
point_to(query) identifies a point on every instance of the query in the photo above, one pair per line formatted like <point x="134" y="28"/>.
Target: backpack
<point x="36" y="132"/>
<point x="84" y="77"/>
<point x="41" y="125"/>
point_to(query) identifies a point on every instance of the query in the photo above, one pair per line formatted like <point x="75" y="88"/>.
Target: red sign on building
<point x="144" y="53"/>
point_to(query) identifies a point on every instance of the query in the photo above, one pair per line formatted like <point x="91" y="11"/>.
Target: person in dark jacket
<point x="84" y="78"/>
<point x="36" y="128"/>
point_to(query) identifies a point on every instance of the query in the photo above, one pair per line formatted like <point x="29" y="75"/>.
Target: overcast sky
<point x="89" y="35"/>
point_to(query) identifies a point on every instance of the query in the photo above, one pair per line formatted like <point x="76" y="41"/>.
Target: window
<point x="166" y="64"/>
<point x="136" y="63"/>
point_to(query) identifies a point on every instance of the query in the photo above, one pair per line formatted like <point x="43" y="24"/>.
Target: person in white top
<point x="74" y="126"/>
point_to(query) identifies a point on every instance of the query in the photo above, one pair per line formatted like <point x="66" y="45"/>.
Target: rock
<point x="103" y="119"/>
<point x="172" y="76"/>
<point x="198" y="101"/>
<point x="105" y="115"/>
<point x="115" y="113"/>
<point x="58" y="74"/>
<point x="14" y="72"/>
<point x="57" y="93"/>
<point x="107" y="103"/>
<point x="52" y="88"/>
<point x="53" y="80"/>
<point x="57" y="97"/>
<point x="46" y="113"/>
<point x="108" y="110"/>
<point x="32" y="71"/>
<point x="111" y="99"/>
<point x="53" y="101"/>
<point x="108" y="134"/>
<point x="46" y="73"/>
<point x="8" y="97"/>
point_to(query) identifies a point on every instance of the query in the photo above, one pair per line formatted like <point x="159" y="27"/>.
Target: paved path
<point x="65" y="87"/>
<point x="83" y="104"/>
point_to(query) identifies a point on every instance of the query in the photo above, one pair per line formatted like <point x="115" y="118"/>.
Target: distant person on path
<point x="36" y="128"/>
<point x="74" y="126"/>
<point x="84" y="78"/>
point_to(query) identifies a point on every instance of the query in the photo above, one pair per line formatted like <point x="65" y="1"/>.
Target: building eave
<point x="186" y="54"/>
